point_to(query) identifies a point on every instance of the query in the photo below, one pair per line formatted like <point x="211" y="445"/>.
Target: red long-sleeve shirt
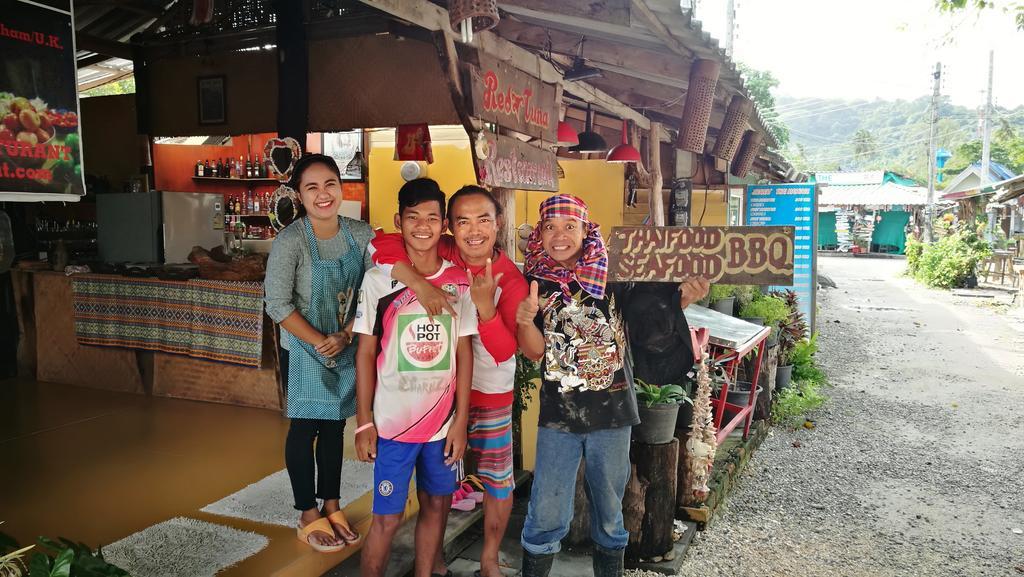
<point x="494" y="349"/>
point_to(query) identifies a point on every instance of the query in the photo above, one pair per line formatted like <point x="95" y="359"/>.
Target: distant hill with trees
<point x="829" y="134"/>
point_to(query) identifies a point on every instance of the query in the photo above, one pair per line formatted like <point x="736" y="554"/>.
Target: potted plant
<point x="658" y="406"/>
<point x="723" y="298"/>
<point x="792" y="330"/>
<point x="767" y="310"/>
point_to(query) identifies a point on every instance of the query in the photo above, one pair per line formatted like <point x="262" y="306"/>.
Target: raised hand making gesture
<point x="482" y="289"/>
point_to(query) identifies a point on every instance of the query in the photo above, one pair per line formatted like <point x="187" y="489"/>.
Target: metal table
<point x="731" y="339"/>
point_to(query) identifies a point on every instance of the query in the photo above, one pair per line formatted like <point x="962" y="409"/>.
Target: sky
<point x="868" y="49"/>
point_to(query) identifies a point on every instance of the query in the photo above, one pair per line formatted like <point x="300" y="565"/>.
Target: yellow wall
<point x="717" y="208"/>
<point x="452" y="169"/>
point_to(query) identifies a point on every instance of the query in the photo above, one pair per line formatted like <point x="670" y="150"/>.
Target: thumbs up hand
<point x="528" y="309"/>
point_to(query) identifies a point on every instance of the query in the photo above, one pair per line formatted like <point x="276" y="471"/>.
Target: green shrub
<point x="721" y="291"/>
<point x="913" y="251"/>
<point x="802" y="359"/>
<point x="948" y="262"/>
<point x="796" y="401"/>
<point x="770" y="308"/>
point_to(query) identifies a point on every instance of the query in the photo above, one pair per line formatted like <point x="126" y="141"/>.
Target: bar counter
<point x="48" y="303"/>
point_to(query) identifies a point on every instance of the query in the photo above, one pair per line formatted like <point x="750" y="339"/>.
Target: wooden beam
<point x="103" y="46"/>
<point x="91" y="60"/>
<point x="659" y="30"/>
<point x="628" y="35"/>
<point x="654" y="166"/>
<point x="609" y="11"/>
<point x="433" y="17"/>
<point x="597" y="52"/>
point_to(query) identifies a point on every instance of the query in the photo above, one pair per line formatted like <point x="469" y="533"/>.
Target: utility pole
<point x="986" y="145"/>
<point x="986" y="125"/>
<point x="730" y="25"/>
<point x="930" y="209"/>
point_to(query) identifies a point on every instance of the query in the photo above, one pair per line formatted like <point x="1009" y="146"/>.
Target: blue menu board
<point x="794" y="205"/>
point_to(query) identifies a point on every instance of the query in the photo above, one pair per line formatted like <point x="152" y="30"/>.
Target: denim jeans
<point x="554" y="485"/>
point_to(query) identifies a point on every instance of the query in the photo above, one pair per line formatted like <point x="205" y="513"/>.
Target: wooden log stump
<point x="682" y="435"/>
<point x="652" y="485"/>
<point x="579" y="529"/>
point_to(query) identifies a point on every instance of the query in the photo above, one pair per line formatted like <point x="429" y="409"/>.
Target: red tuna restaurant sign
<point x="510" y="163"/>
<point x="513" y="99"/>
<point x="758" y="255"/>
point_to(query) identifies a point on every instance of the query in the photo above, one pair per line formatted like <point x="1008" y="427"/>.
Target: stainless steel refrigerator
<point x="191" y="219"/>
<point x="155" y="226"/>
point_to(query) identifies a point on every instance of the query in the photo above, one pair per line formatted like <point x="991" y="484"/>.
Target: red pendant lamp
<point x="624" y="152"/>
<point x="566" y="135"/>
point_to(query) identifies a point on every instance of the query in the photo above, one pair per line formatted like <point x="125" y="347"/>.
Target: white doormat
<point x="183" y="547"/>
<point x="270" y="499"/>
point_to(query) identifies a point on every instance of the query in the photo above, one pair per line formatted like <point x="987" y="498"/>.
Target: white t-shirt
<point x="415" y="397"/>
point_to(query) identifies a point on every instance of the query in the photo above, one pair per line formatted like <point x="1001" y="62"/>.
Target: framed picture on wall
<point x="347" y="149"/>
<point x="212" y="103"/>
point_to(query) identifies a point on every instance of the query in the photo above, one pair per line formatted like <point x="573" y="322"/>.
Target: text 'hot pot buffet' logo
<point x="423" y="344"/>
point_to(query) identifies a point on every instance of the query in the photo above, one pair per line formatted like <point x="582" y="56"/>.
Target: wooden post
<point x="507" y="238"/>
<point x="654" y="166"/>
<point x="292" y="70"/>
<point x="652" y="485"/>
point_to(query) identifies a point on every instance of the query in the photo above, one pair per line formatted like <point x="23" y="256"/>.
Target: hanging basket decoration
<point x="280" y="156"/>
<point x="748" y="152"/>
<point x="469" y="16"/>
<point x="700" y="99"/>
<point x="733" y="127"/>
<point x="284" y="207"/>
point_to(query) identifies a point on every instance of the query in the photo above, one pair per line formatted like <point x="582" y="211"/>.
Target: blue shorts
<point x="393" y="469"/>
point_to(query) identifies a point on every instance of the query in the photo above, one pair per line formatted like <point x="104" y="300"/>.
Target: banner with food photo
<point x="40" y="140"/>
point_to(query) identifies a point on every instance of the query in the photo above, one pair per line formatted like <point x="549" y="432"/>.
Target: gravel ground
<point x="916" y="466"/>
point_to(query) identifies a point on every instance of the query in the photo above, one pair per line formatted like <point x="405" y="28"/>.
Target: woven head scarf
<point x="591" y="270"/>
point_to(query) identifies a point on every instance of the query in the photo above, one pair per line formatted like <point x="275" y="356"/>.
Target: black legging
<point x="298" y="458"/>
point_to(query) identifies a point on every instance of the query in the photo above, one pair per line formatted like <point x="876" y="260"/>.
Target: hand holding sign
<point x="692" y="291"/>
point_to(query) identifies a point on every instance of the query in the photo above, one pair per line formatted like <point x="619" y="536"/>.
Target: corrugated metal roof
<point x="888" y="193"/>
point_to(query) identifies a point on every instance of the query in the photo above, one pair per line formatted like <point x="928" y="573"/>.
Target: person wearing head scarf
<point x="571" y="321"/>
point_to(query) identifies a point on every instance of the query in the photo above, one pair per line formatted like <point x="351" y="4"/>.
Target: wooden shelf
<point x="231" y="179"/>
<point x="257" y="215"/>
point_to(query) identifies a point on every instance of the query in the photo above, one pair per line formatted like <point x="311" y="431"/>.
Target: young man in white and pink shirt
<point x="413" y="377"/>
<point x="497" y="289"/>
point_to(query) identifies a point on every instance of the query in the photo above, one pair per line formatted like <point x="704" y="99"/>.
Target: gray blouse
<point x="286" y="286"/>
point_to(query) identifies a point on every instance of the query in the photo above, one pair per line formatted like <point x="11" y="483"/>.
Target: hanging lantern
<point x="469" y="16"/>
<point x="590" y="141"/>
<point x="566" y="134"/>
<point x="748" y="152"/>
<point x="624" y="152"/>
<point x="733" y="126"/>
<point x="700" y="99"/>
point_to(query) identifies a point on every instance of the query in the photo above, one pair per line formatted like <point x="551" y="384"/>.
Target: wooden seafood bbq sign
<point x="757" y="255"/>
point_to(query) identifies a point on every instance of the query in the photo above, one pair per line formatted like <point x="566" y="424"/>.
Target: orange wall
<point x="174" y="167"/>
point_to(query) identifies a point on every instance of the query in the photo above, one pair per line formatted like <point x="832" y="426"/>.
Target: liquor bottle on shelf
<point x="248" y="201"/>
<point x="248" y="167"/>
<point x="240" y="167"/>
<point x="196" y="169"/>
<point x="207" y="170"/>
<point x="256" y="204"/>
<point x="238" y="206"/>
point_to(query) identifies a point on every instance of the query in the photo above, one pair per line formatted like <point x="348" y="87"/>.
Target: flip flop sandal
<point x="464" y="505"/>
<point x="322" y="525"/>
<point x="338" y="518"/>
<point x="470" y="493"/>
<point x="475" y="481"/>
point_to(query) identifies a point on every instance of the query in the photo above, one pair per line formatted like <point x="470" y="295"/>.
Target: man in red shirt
<point x="497" y="288"/>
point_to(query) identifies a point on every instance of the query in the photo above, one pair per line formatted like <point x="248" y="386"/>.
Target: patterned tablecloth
<point x="216" y="320"/>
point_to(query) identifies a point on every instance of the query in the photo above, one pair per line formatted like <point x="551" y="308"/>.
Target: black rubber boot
<point x="608" y="562"/>
<point x="537" y="565"/>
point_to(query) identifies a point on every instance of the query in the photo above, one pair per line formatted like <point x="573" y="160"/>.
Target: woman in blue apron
<point x="314" y="272"/>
